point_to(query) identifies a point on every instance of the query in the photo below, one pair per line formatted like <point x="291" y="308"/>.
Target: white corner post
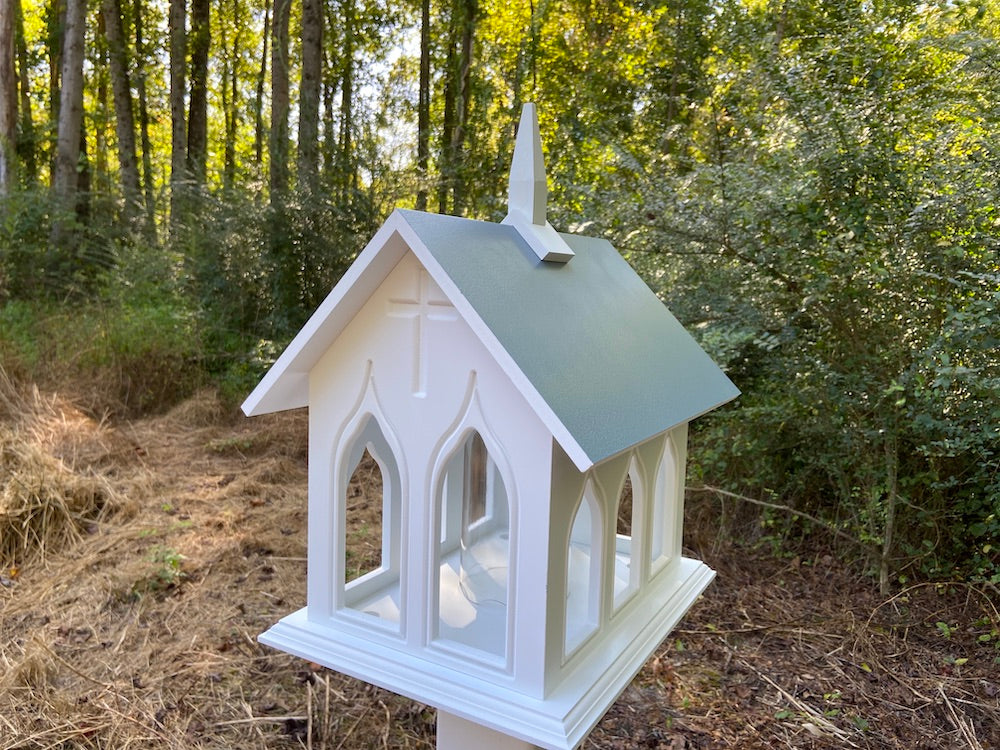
<point x="456" y="733"/>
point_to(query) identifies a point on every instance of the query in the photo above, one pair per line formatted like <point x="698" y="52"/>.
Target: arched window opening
<point x="630" y="499"/>
<point x="363" y="552"/>
<point x="666" y="501"/>
<point x="583" y="571"/>
<point x="623" y="523"/>
<point x="371" y="499"/>
<point x="474" y="549"/>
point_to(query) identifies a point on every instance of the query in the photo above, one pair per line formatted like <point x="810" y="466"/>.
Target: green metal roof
<point x="613" y="364"/>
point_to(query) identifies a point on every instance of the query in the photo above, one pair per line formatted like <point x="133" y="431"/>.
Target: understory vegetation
<point x="813" y="188"/>
<point x="154" y="551"/>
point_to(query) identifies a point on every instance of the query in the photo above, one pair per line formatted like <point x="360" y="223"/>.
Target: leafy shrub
<point x="829" y="233"/>
<point x="123" y="359"/>
<point x="24" y="248"/>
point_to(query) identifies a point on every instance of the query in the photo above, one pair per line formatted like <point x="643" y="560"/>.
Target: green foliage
<point x="253" y="274"/>
<point x="829" y="231"/>
<point x="24" y="226"/>
<point x="260" y="270"/>
<point x="812" y="187"/>
<point x="945" y="629"/>
<point x="310" y="243"/>
<point x="20" y="347"/>
<point x="123" y="358"/>
<point x="148" y="351"/>
<point x="152" y="322"/>
<point x="166" y="574"/>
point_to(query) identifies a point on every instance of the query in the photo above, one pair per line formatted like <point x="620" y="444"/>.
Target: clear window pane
<point x="364" y="519"/>
<point x="474" y="550"/>
<point x="583" y="570"/>
<point x="372" y="513"/>
<point x="629" y="499"/>
<point x="664" y="502"/>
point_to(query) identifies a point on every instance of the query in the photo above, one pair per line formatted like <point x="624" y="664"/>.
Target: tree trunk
<point x="200" y="40"/>
<point x="55" y="22"/>
<point x="329" y="138"/>
<point x="278" y="141"/>
<point x="446" y="162"/>
<point x="469" y="13"/>
<point x="140" y="86"/>
<point x="26" y="136"/>
<point x="178" y="130"/>
<point x="424" y="105"/>
<point x="258" y="108"/>
<point x="230" y="94"/>
<point x="69" y="135"/>
<point x="891" y="492"/>
<point x="8" y="97"/>
<point x="309" y="92"/>
<point x="128" y="168"/>
<point x="346" y="176"/>
<point x="536" y="22"/>
<point x="84" y="179"/>
<point x="331" y="80"/>
<point x="99" y="85"/>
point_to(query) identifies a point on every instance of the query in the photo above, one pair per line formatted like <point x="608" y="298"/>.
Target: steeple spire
<point x="528" y="192"/>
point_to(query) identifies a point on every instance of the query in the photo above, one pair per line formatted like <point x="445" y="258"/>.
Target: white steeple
<point x="528" y="192"/>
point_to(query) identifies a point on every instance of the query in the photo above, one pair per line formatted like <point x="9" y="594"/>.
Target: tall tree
<point x="459" y="44"/>
<point x="84" y="176"/>
<point x="309" y="92"/>
<point x="258" y="107"/>
<point x="140" y="88"/>
<point x="200" y="40"/>
<point x="332" y="55"/>
<point x="446" y="160"/>
<point x="71" y="135"/>
<point x="176" y="24"/>
<point x="98" y="80"/>
<point x="469" y="11"/>
<point x="424" y="105"/>
<point x="26" y="135"/>
<point x="346" y="146"/>
<point x="230" y="94"/>
<point x="8" y="96"/>
<point x="55" y="24"/>
<point x="128" y="168"/>
<point x="278" y="141"/>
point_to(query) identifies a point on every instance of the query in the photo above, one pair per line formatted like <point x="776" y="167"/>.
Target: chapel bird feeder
<point x="526" y="399"/>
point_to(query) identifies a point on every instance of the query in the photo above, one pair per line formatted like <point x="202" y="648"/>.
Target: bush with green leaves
<point x="830" y="231"/>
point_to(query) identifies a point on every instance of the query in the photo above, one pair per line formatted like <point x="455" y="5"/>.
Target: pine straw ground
<point x="129" y="614"/>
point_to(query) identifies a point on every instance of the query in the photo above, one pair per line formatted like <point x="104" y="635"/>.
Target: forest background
<point x="813" y="187"/>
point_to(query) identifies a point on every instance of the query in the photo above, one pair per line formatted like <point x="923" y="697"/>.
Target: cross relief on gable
<point x="425" y="305"/>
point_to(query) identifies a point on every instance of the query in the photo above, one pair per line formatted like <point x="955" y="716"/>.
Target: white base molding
<point x="560" y="721"/>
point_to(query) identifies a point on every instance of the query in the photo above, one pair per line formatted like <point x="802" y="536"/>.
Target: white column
<point x="455" y="733"/>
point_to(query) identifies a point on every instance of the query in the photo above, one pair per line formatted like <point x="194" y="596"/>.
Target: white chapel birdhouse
<point x="520" y="390"/>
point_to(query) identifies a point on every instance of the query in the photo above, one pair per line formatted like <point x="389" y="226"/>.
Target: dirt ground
<point x="137" y="627"/>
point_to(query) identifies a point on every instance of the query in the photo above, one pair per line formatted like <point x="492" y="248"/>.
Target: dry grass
<point x="138" y="628"/>
<point x="796" y="653"/>
<point x="47" y="500"/>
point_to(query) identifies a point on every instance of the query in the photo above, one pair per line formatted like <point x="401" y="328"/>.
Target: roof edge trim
<point x="503" y="358"/>
<point x="281" y="387"/>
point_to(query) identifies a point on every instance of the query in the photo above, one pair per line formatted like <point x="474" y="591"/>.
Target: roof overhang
<point x="286" y="383"/>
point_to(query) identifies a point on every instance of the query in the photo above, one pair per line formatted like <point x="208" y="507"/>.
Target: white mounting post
<point x="528" y="192"/>
<point x="456" y="733"/>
